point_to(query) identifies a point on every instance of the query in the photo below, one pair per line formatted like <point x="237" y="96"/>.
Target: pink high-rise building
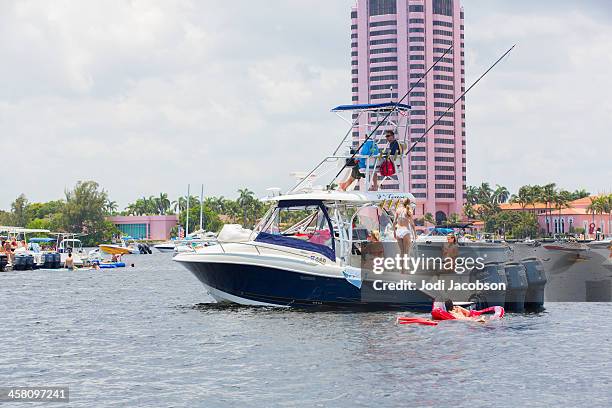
<point x="393" y="43"/>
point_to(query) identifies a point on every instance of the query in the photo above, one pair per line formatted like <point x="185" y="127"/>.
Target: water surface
<point x="148" y="336"/>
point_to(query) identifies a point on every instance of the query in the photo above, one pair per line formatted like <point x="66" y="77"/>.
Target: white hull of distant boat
<point x="165" y="247"/>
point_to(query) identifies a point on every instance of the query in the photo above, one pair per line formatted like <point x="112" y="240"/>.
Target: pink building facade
<point x="393" y="43"/>
<point x="576" y="217"/>
<point x="153" y="227"/>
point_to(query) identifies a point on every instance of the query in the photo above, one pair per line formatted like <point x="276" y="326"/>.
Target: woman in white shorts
<point x="404" y="227"/>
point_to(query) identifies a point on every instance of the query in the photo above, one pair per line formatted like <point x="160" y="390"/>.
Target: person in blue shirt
<point x="370" y="149"/>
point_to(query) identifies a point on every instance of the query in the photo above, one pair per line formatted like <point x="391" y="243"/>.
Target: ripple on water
<point x="150" y="336"/>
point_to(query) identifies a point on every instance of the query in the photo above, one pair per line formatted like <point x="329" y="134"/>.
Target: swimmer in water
<point x="460" y="313"/>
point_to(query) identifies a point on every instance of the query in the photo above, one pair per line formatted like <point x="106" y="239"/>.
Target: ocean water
<point x="149" y="336"/>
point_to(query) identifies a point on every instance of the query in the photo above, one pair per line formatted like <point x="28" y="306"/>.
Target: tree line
<point x="484" y="203"/>
<point x="85" y="208"/>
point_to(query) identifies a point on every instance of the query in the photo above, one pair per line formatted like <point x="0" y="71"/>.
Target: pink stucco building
<point x="568" y="220"/>
<point x="153" y="227"/>
<point x="393" y="43"/>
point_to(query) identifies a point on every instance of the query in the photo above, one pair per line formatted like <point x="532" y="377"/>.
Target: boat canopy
<point x="346" y="196"/>
<point x="39" y="240"/>
<point x="372" y="107"/>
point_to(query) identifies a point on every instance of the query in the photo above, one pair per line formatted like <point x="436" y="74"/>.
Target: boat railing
<point x="256" y="246"/>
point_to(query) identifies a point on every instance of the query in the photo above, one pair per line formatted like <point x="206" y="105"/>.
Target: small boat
<point x="127" y="246"/>
<point x="567" y="246"/>
<point x="115" y="249"/>
<point x="601" y="244"/>
<point x="167" y="246"/>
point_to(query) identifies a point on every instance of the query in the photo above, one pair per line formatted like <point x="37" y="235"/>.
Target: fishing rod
<point x="458" y="99"/>
<point x="393" y="110"/>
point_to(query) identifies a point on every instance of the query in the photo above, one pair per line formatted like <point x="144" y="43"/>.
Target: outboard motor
<point x="29" y="262"/>
<point x="3" y="262"/>
<point x="148" y="248"/>
<point x="493" y="272"/>
<point x="48" y="260"/>
<point x="20" y="262"/>
<point x="516" y="288"/>
<point x="57" y="260"/>
<point x="536" y="280"/>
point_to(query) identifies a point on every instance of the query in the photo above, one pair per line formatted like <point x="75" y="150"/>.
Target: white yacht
<point x="316" y="245"/>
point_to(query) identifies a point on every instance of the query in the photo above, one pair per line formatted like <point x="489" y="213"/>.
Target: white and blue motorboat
<point x="308" y="250"/>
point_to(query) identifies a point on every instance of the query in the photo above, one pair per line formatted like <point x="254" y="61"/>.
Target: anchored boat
<point x="315" y="245"/>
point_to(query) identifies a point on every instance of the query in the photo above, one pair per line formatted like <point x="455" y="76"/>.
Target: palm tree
<point x="429" y="218"/>
<point x="245" y="199"/>
<point x="561" y="201"/>
<point x="471" y="194"/>
<point x="111" y="206"/>
<point x="578" y="194"/>
<point x="453" y="219"/>
<point x="163" y="203"/>
<point x="548" y="195"/>
<point x="468" y="211"/>
<point x="501" y="194"/>
<point x="523" y="198"/>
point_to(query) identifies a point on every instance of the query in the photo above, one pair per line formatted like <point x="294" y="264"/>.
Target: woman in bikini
<point x="404" y="227"/>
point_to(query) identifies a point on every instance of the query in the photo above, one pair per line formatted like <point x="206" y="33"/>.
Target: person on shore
<point x="69" y="262"/>
<point x="404" y="227"/>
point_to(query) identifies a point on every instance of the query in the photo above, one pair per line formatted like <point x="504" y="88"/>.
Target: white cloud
<point x="147" y="96"/>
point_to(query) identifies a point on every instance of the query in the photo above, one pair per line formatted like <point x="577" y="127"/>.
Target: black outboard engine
<point x="516" y="288"/>
<point x="47" y="260"/>
<point x="493" y="272"/>
<point x="3" y="262"/>
<point x="57" y="260"/>
<point x="141" y="249"/>
<point x="20" y="262"/>
<point x="29" y="262"/>
<point x="536" y="281"/>
<point x="148" y="248"/>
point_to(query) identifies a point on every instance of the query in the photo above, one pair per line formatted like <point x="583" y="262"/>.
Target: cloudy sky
<point x="147" y="96"/>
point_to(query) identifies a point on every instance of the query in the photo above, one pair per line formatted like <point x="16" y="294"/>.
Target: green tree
<point x="19" y="211"/>
<point x="429" y="218"/>
<point x="85" y="211"/>
<point x="245" y="201"/>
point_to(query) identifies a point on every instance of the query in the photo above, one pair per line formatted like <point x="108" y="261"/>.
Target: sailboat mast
<point x="187" y="218"/>
<point x="201" y="205"/>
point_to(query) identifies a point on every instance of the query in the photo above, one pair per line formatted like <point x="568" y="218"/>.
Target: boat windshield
<point x="300" y="225"/>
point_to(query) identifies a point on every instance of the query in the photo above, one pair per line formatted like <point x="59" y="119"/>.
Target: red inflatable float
<point x="439" y="312"/>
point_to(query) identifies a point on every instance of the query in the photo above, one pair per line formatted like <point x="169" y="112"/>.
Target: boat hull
<point x="257" y="285"/>
<point x="164" y="249"/>
<point x="114" y="250"/>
